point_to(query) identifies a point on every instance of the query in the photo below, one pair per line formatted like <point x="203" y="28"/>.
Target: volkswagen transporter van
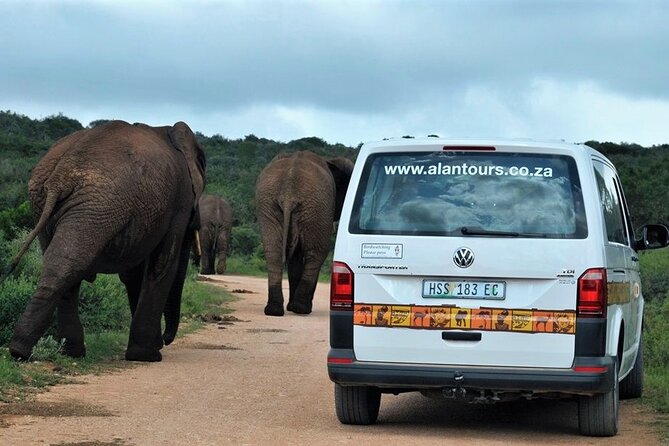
<point x="485" y="271"/>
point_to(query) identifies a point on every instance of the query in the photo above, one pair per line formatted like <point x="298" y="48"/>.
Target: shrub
<point x="656" y="333"/>
<point x="245" y="240"/>
<point x="655" y="274"/>
<point x="15" y="292"/>
<point x="103" y="304"/>
<point x="13" y="219"/>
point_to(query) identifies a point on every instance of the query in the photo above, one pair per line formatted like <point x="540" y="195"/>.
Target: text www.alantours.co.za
<point x="466" y="169"/>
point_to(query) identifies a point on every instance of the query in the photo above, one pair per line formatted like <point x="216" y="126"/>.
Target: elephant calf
<point x="117" y="198"/>
<point x="215" y="226"/>
<point x="298" y="197"/>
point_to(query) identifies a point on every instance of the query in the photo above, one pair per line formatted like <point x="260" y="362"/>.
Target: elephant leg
<point x="132" y="280"/>
<point x="70" y="329"/>
<point x="172" y="310"/>
<point x="295" y="271"/>
<point x="221" y="253"/>
<point x="208" y="246"/>
<point x="274" y="305"/>
<point x="304" y="293"/>
<point x="145" y="341"/>
<point x="64" y="266"/>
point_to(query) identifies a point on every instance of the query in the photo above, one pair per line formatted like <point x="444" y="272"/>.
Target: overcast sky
<point x="346" y="71"/>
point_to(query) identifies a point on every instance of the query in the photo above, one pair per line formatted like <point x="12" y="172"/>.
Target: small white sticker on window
<point x="382" y="251"/>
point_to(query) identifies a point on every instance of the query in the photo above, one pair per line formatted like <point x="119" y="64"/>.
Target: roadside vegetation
<point x="104" y="312"/>
<point x="233" y="166"/>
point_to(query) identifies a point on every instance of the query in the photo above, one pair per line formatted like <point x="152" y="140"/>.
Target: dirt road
<point x="264" y="381"/>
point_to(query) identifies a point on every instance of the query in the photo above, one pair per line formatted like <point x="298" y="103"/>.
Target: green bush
<point x="656" y="333"/>
<point x="253" y="265"/>
<point x="12" y="220"/>
<point x="655" y="274"/>
<point x="245" y="240"/>
<point x="47" y="349"/>
<point x="103" y="304"/>
<point x="15" y="292"/>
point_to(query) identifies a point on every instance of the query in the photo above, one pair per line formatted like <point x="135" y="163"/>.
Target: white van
<point x="486" y="271"/>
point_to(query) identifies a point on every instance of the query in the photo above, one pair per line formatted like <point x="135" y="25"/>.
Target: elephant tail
<point x="49" y="205"/>
<point x="288" y="207"/>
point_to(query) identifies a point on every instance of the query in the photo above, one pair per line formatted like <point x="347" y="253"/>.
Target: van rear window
<point x="465" y="193"/>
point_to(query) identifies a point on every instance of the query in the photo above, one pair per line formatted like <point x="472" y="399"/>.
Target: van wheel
<point x="632" y="385"/>
<point x="598" y="414"/>
<point x="357" y="404"/>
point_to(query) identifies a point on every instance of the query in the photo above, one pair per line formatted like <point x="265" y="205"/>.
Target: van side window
<point x="628" y="219"/>
<point x="611" y="204"/>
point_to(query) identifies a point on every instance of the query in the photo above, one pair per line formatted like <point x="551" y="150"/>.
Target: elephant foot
<point x="73" y="349"/>
<point x="206" y="272"/>
<point x="274" y="310"/>
<point x="299" y="307"/>
<point x="19" y="352"/>
<point x="137" y="353"/>
<point x="168" y="338"/>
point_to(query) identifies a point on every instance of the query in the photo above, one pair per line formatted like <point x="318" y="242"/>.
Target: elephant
<point x="298" y="198"/>
<point x="117" y="199"/>
<point x="216" y="221"/>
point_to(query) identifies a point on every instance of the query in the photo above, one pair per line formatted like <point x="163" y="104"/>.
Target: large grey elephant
<point x="117" y="198"/>
<point x="298" y="197"/>
<point x="215" y="223"/>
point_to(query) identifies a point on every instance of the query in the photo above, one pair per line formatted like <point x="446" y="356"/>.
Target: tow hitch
<point x="458" y="392"/>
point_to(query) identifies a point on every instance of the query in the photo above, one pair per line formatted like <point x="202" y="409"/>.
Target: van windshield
<point x="470" y="194"/>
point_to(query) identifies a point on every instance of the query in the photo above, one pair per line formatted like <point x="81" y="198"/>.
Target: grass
<point x="255" y="266"/>
<point x="656" y="389"/>
<point x="104" y="350"/>
<point x="246" y="266"/>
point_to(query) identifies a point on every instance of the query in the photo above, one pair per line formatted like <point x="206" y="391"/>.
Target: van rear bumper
<point x="589" y="375"/>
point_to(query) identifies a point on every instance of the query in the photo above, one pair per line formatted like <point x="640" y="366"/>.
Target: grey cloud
<point x="344" y="56"/>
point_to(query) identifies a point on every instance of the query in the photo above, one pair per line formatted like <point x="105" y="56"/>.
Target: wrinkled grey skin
<point x="215" y="226"/>
<point x="117" y="198"/>
<point x="298" y="198"/>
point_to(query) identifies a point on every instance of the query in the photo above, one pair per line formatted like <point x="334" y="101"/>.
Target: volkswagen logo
<point x="463" y="257"/>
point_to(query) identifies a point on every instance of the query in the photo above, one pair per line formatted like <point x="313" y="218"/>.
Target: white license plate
<point x="466" y="289"/>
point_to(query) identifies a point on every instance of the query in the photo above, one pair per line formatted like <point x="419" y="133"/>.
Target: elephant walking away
<point x="298" y="197"/>
<point x="117" y="198"/>
<point x="215" y="225"/>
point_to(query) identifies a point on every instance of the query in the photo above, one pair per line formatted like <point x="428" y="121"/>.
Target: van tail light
<point x="341" y="287"/>
<point x="469" y="148"/>
<point x="592" y="298"/>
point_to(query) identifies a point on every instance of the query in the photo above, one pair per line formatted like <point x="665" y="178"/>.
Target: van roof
<point x="496" y="142"/>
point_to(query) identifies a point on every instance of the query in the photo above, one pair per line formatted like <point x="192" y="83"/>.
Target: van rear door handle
<point x="460" y="336"/>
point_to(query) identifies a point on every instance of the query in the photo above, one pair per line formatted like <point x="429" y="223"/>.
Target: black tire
<point x="357" y="404"/>
<point x="632" y="385"/>
<point x="598" y="414"/>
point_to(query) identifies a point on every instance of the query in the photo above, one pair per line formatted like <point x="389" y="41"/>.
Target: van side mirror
<point x="653" y="237"/>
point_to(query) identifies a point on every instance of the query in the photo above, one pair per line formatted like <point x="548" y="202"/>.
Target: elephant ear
<point x="341" y="169"/>
<point x="184" y="141"/>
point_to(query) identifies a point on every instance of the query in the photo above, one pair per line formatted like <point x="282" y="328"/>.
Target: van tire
<point x="632" y="385"/>
<point x="598" y="414"/>
<point x="357" y="404"/>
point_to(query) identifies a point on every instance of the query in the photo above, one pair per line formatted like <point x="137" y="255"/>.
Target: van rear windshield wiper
<point x="468" y="230"/>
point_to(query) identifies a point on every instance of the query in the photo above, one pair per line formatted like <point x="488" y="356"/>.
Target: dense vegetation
<point x="233" y="166"/>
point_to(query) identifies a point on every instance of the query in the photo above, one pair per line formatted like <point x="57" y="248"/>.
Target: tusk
<point x="198" y="249"/>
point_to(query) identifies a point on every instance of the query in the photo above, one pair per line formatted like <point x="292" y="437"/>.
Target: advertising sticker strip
<point x="456" y="318"/>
